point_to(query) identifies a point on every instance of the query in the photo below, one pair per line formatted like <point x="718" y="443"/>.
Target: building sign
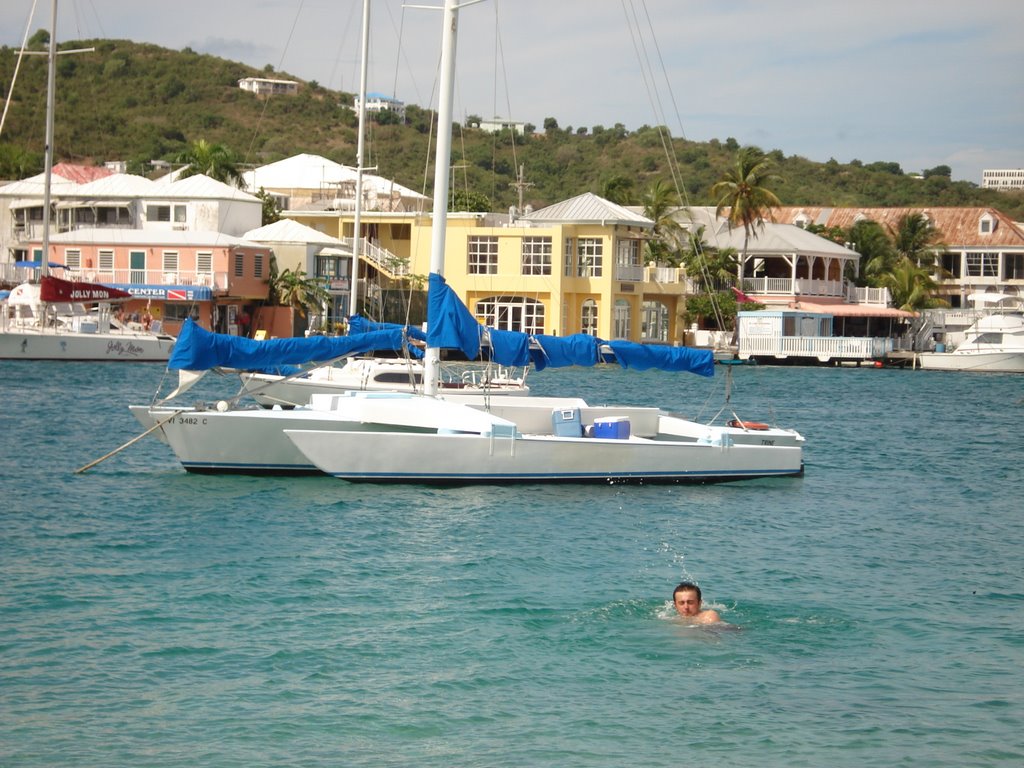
<point x="167" y="292"/>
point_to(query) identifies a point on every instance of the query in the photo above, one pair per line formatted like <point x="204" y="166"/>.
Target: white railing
<point x="823" y="348"/>
<point x="217" y="281"/>
<point x="664" y="275"/>
<point x="788" y="287"/>
<point x="864" y="295"/>
<point x="382" y="257"/>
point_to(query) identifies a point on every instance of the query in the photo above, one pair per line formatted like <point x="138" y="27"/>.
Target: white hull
<point x="988" y="362"/>
<point x="33" y="344"/>
<point x="994" y="344"/>
<point x="257" y="441"/>
<point x="470" y="458"/>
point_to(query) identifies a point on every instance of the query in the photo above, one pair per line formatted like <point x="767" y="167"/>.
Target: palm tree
<point x="911" y="286"/>
<point x="877" y="254"/>
<point x="660" y="204"/>
<point x="744" y="191"/>
<point x="294" y="289"/>
<point x="917" y="239"/>
<point x="213" y="160"/>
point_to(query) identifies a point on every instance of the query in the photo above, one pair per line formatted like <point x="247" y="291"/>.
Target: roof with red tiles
<point x="81" y="174"/>
<point x="959" y="226"/>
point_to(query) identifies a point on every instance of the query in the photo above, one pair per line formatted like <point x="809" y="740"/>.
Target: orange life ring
<point x="748" y="424"/>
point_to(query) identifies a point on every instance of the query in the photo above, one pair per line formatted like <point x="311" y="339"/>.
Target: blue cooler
<point x="613" y="427"/>
<point x="566" y="422"/>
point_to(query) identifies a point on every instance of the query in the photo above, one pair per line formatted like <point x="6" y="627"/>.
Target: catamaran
<point x="428" y="438"/>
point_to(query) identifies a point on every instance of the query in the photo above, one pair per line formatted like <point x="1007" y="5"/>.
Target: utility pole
<point x="520" y="184"/>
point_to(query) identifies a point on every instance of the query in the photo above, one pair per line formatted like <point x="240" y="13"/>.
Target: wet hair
<point x="686" y="586"/>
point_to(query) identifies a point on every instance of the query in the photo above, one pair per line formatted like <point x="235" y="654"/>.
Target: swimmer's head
<point x="687" y="599"/>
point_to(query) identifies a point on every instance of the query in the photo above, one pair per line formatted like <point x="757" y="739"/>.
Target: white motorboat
<point x="994" y="344"/>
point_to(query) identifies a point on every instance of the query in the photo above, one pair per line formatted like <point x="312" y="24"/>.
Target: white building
<point x="497" y="124"/>
<point x="379" y="102"/>
<point x="264" y="86"/>
<point x="1003" y="179"/>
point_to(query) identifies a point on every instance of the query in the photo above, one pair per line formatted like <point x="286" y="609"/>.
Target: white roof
<point x="155" y="237"/>
<point x="589" y="208"/>
<point x="314" y="172"/>
<point x="200" y="186"/>
<point x="33" y="187"/>
<point x="768" y="239"/>
<point x="117" y="185"/>
<point x="288" y="231"/>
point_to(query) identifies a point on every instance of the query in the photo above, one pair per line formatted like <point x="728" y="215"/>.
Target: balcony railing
<point x="785" y="286"/>
<point x="217" y="281"/>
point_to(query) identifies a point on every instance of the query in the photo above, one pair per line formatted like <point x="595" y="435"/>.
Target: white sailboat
<point x="427" y="438"/>
<point x="49" y="320"/>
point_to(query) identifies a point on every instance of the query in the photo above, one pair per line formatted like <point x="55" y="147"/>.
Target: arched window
<point x="512" y="313"/>
<point x="588" y="317"/>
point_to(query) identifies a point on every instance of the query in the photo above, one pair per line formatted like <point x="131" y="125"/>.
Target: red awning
<point x="852" y="310"/>
<point x="53" y="289"/>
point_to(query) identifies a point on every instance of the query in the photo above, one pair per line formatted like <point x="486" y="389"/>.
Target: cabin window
<point x="982" y="265"/>
<point x="988" y="338"/>
<point x="483" y="255"/>
<point x="590" y="256"/>
<point x="73" y="259"/>
<point x="588" y="317"/>
<point x="622" y="319"/>
<point x="536" y="253"/>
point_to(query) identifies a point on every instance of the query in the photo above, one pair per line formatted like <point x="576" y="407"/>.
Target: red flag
<point x="741" y="297"/>
<point x="173" y="295"/>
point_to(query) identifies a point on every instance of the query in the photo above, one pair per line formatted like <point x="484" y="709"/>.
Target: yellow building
<point x="572" y="267"/>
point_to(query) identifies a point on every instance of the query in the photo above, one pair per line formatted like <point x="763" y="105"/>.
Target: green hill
<point x="138" y="102"/>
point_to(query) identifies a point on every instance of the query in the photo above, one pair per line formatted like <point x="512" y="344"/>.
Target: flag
<point x="741" y="297"/>
<point x="177" y="295"/>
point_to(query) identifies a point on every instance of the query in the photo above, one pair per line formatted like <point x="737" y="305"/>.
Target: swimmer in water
<point x="687" y="601"/>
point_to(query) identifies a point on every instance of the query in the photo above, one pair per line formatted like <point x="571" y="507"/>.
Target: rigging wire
<point x="17" y="66"/>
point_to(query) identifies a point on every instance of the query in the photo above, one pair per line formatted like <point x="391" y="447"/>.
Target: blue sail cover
<point x="563" y="351"/>
<point x="360" y="324"/>
<point x="644" y="356"/>
<point x="450" y="324"/>
<point x="197" y="349"/>
<point x="510" y="347"/>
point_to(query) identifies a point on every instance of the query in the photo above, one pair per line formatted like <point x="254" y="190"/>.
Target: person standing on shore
<point x="687" y="601"/>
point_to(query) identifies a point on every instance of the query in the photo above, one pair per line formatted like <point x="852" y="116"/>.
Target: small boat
<point x="994" y="344"/>
<point x="48" y="320"/>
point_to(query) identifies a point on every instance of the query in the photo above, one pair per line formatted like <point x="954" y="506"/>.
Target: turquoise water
<point x="153" y="618"/>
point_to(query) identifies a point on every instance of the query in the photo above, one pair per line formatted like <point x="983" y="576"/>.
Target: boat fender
<point x="747" y="424"/>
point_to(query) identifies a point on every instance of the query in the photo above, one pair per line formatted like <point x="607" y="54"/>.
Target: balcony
<point x="757" y="287"/>
<point x="216" y="281"/>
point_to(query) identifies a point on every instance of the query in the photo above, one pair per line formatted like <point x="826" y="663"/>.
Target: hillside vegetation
<point x="138" y="103"/>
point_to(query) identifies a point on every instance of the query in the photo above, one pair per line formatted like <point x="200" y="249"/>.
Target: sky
<point x="922" y="84"/>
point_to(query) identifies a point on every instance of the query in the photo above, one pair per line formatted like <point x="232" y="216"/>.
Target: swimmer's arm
<point x="709" y="617"/>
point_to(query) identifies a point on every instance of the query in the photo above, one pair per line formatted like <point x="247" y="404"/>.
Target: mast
<point x="51" y="84"/>
<point x="356" y="223"/>
<point x="442" y="158"/>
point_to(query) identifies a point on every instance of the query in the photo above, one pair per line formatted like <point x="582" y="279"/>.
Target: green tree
<point x="467" y="200"/>
<point x="877" y="255"/>
<point x="660" y="205"/>
<point x="294" y="289"/>
<point x="271" y="208"/>
<point x="911" y="286"/>
<point x="618" y="189"/>
<point x="743" y="189"/>
<point x="213" y="160"/>
<point x="916" y="238"/>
